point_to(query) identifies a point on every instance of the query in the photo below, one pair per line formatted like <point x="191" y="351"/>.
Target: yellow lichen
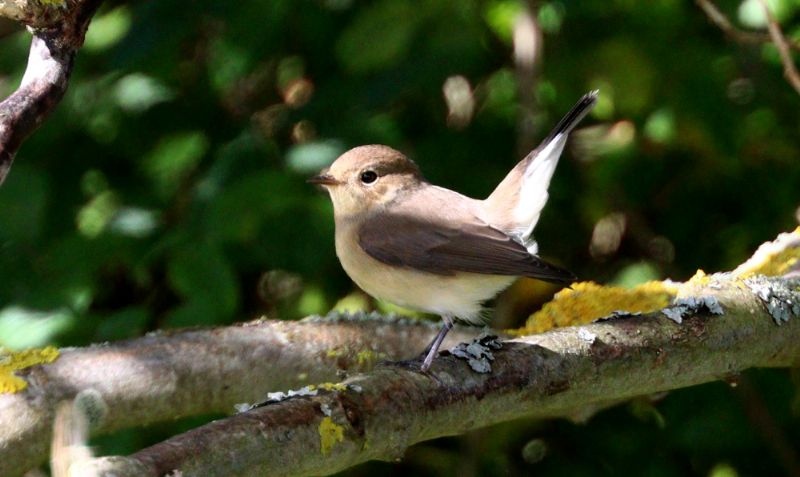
<point x="13" y="361"/>
<point x="773" y="258"/>
<point x="369" y="358"/>
<point x="365" y="358"/>
<point x="332" y="386"/>
<point x="330" y="434"/>
<point x="333" y="353"/>
<point x="700" y="278"/>
<point x="774" y="264"/>
<point x="588" y="301"/>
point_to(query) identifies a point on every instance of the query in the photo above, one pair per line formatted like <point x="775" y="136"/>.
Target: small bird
<point x="424" y="247"/>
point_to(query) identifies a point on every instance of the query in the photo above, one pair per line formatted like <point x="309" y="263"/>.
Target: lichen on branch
<point x="684" y="341"/>
<point x="11" y="361"/>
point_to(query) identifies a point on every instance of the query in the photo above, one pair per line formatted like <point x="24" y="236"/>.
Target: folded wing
<point x="446" y="248"/>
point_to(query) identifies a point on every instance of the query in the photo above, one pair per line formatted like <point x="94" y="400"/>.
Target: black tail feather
<point x="574" y="116"/>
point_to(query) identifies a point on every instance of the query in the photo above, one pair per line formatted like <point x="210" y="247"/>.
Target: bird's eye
<point x="368" y="177"/>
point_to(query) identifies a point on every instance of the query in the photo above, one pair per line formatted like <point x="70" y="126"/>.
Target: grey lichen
<point x="306" y="391"/>
<point x="326" y="409"/>
<point x="93" y="406"/>
<point x="478" y="352"/>
<point x="781" y="301"/>
<point x="682" y="307"/>
<point x="279" y="396"/>
<point x="586" y="335"/>
<point x="618" y="315"/>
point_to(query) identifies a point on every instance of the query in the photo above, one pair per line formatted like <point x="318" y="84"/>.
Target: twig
<point x="723" y="23"/>
<point x="379" y="414"/>
<point x="789" y="68"/>
<point x="527" y="55"/>
<point x="58" y="33"/>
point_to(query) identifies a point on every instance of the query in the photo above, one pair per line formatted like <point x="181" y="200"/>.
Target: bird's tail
<point x="515" y="205"/>
<point x="573" y="117"/>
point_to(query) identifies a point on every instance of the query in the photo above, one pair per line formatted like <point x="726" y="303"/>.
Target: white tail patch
<point x="533" y="189"/>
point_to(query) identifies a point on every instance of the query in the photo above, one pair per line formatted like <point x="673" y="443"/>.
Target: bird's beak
<point x="324" y="179"/>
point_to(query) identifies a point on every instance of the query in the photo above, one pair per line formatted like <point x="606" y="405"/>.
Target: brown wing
<point x="444" y="249"/>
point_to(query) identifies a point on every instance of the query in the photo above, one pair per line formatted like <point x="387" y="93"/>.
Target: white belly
<point x="459" y="295"/>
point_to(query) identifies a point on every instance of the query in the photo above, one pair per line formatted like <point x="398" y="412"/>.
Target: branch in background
<point x="775" y="32"/>
<point x="166" y="376"/>
<point x="527" y="53"/>
<point x="379" y="414"/>
<point x="723" y="23"/>
<point x="58" y="32"/>
<point x="35" y="13"/>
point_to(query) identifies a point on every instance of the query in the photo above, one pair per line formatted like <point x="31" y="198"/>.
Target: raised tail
<point x="515" y="205"/>
<point x="573" y="117"/>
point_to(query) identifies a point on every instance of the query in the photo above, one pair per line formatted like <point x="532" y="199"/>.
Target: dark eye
<point x="368" y="177"/>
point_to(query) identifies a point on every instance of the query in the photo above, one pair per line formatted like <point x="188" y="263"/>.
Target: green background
<point x="168" y="189"/>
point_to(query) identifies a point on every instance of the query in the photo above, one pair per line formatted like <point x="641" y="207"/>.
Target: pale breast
<point x="459" y="295"/>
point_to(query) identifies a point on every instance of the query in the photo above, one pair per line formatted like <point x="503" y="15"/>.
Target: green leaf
<point x="22" y="328"/>
<point x="313" y="156"/>
<point x="380" y="36"/>
<point x="22" y="204"/>
<point x="500" y="16"/>
<point x="201" y="274"/>
<point x="636" y="274"/>
<point x="173" y="158"/>
<point x="126" y="323"/>
<point x="107" y="29"/>
<point x="138" y="92"/>
<point x="751" y="12"/>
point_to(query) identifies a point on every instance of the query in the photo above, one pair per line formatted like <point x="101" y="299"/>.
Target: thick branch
<point x="169" y="375"/>
<point x="42" y="87"/>
<point x="378" y="415"/>
<point x="58" y="33"/>
<point x="24" y="11"/>
<point x="50" y="15"/>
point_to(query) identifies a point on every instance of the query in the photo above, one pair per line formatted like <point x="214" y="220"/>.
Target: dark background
<point x="168" y="189"/>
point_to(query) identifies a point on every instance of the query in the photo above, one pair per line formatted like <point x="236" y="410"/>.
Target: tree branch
<point x="723" y="23"/>
<point x="379" y="414"/>
<point x="58" y="32"/>
<point x="571" y="371"/>
<point x="170" y="375"/>
<point x="527" y="54"/>
<point x="775" y="32"/>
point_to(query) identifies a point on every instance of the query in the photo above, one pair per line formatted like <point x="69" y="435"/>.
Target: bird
<point x="404" y="240"/>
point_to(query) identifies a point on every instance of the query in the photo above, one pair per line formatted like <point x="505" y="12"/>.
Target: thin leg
<point x="433" y="348"/>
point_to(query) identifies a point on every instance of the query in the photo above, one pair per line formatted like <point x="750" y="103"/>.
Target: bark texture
<point x="379" y="414"/>
<point x="165" y="376"/>
<point x="58" y="32"/>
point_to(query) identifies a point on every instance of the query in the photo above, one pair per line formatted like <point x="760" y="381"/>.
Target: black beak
<point x="323" y="179"/>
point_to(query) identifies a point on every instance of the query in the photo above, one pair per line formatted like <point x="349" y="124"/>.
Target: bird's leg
<point x="433" y="348"/>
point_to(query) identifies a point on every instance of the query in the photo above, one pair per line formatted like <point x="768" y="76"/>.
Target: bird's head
<point x="367" y="177"/>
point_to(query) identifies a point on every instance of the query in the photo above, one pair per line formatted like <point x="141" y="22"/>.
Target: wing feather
<point x="447" y="248"/>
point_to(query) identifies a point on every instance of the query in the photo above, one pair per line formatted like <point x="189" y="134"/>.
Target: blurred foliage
<point x="168" y="188"/>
